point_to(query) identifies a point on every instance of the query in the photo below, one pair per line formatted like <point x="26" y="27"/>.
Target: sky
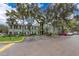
<point x="10" y="6"/>
<point x="42" y="5"/>
<point x="3" y="8"/>
<point x="13" y="5"/>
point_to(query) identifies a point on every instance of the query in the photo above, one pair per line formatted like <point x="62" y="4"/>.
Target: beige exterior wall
<point x="18" y="29"/>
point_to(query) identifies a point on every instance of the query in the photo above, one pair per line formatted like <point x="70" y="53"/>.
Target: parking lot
<point x="44" y="46"/>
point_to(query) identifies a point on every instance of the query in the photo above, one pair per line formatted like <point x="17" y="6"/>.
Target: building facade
<point x="18" y="29"/>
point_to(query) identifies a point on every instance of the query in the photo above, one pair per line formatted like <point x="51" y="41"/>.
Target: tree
<point x="3" y="28"/>
<point x="25" y="13"/>
<point x="39" y="17"/>
<point x="60" y="14"/>
<point x="22" y="13"/>
<point x="11" y="20"/>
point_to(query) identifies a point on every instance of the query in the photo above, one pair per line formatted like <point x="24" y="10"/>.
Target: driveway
<point x="45" y="46"/>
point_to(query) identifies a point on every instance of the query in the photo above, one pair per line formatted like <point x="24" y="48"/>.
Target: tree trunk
<point x="62" y="28"/>
<point x="23" y="27"/>
<point x="41" y="28"/>
<point x="12" y="29"/>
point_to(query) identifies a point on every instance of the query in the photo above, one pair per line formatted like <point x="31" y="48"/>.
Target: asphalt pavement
<point x="45" y="46"/>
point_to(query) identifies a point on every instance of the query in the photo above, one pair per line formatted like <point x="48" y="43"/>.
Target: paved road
<point x="45" y="46"/>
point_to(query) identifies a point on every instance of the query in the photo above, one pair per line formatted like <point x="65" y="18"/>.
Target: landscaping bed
<point x="10" y="39"/>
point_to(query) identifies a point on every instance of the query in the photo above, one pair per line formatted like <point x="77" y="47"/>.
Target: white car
<point x="75" y="33"/>
<point x="69" y="33"/>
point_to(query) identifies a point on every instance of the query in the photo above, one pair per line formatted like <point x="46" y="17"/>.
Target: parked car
<point x="69" y="33"/>
<point x="66" y="34"/>
<point x="75" y="33"/>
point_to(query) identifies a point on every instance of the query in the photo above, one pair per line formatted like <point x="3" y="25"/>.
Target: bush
<point x="48" y="34"/>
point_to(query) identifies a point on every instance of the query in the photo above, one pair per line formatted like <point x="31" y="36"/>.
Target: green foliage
<point x="3" y="28"/>
<point x="57" y="14"/>
<point x="10" y="38"/>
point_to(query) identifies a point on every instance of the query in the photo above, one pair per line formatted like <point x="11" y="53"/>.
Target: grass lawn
<point x="7" y="39"/>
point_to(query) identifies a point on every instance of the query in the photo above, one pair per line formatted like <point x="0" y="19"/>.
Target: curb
<point x="13" y="41"/>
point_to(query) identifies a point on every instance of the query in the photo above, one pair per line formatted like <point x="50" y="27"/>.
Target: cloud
<point x="3" y="8"/>
<point x="78" y="6"/>
<point x="40" y="5"/>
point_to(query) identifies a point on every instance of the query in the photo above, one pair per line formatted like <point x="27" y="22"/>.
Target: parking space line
<point x="6" y="47"/>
